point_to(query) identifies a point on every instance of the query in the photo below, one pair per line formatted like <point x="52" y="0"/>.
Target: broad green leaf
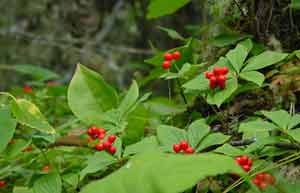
<point x="172" y="33"/>
<point x="28" y="114"/>
<point x="20" y="189"/>
<point x="71" y="178"/>
<point x="155" y="172"/>
<point x="295" y="4"/>
<point x="15" y="148"/>
<point x="219" y="96"/>
<point x="238" y="55"/>
<point x="158" y="8"/>
<point x="130" y="99"/>
<point x="48" y="183"/>
<point x="261" y="142"/>
<point x="252" y="128"/>
<point x="7" y="127"/>
<point x="294" y="121"/>
<point x="253" y="76"/>
<point x="164" y="106"/>
<point x="212" y="139"/>
<point x="229" y="150"/>
<point x="89" y="96"/>
<point x="199" y="83"/>
<point x="97" y="162"/>
<point x="227" y="39"/>
<point x="168" y="135"/>
<point x="196" y="131"/>
<point x="295" y="134"/>
<point x="36" y="72"/>
<point x="263" y="60"/>
<point x="280" y="118"/>
<point x="148" y="143"/>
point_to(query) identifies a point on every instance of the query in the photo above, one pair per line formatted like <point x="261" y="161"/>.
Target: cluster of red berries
<point x="169" y="58"/>
<point x="183" y="146"/>
<point x="99" y="133"/>
<point x="245" y="162"/>
<point x="2" y="183"/>
<point x="263" y="180"/>
<point x="217" y="77"/>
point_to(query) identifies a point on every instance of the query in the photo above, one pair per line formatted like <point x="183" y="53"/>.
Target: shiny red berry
<point x="99" y="147"/>
<point x="176" y="55"/>
<point x="101" y="131"/>
<point x="168" y="57"/>
<point x="176" y="148"/>
<point x="46" y="169"/>
<point x="166" y="65"/>
<point x="106" y="144"/>
<point x="238" y="160"/>
<point x="212" y="82"/>
<point x="208" y="75"/>
<point x="269" y="179"/>
<point x="101" y="136"/>
<point x="184" y="145"/>
<point x="244" y="160"/>
<point x="217" y="71"/>
<point x="260" y="176"/>
<point x="189" y="150"/>
<point x="223" y="70"/>
<point x="263" y="186"/>
<point x="246" y="168"/>
<point x="27" y="89"/>
<point x="256" y="181"/>
<point x="112" y="150"/>
<point x="112" y="138"/>
<point x="2" y="183"/>
<point x="250" y="162"/>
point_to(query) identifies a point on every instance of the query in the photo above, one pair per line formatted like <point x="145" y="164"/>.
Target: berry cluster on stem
<point x="245" y="162"/>
<point x="169" y="58"/>
<point x="99" y="133"/>
<point x="183" y="146"/>
<point x="263" y="180"/>
<point x="2" y="183"/>
<point x="217" y="77"/>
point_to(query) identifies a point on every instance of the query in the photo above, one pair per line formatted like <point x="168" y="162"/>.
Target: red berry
<point x="238" y="160"/>
<point x="244" y="160"/>
<point x="52" y="83"/>
<point x="217" y="71"/>
<point x="27" y="89"/>
<point x="249" y="163"/>
<point x="246" y="168"/>
<point x="184" y="145"/>
<point x="269" y="179"/>
<point x="101" y="136"/>
<point x="106" y="144"/>
<point x="176" y="55"/>
<point x="99" y="147"/>
<point x="212" y="82"/>
<point x="256" y="181"/>
<point x="2" y="183"/>
<point x="223" y="70"/>
<point x="112" y="150"/>
<point x="208" y="75"/>
<point x="221" y="78"/>
<point x="263" y="185"/>
<point x="46" y="169"/>
<point x="168" y="57"/>
<point x="101" y="131"/>
<point x="166" y="65"/>
<point x="189" y="150"/>
<point x="111" y="138"/>
<point x="176" y="148"/>
<point x="260" y="176"/>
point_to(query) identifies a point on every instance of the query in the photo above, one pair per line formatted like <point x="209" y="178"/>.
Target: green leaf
<point x="89" y="96"/>
<point x="238" y="55"/>
<point x="172" y="33"/>
<point x="28" y="114"/>
<point x="168" y="135"/>
<point x="158" y="8"/>
<point x="199" y="83"/>
<point x="229" y="150"/>
<point x="261" y="142"/>
<point x="130" y="99"/>
<point x="252" y="128"/>
<point x="196" y="131"/>
<point x="219" y="96"/>
<point x="7" y="127"/>
<point x="295" y="4"/>
<point x="295" y="134"/>
<point x="71" y="179"/>
<point x="36" y="72"/>
<point x="294" y="121"/>
<point x="155" y="172"/>
<point x="14" y="149"/>
<point x="97" y="162"/>
<point x="263" y="60"/>
<point x="19" y="189"/>
<point x="164" y="106"/>
<point x="280" y="118"/>
<point x="212" y="139"/>
<point x="148" y="143"/>
<point x="227" y="39"/>
<point x="253" y="76"/>
<point x="48" y="183"/>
